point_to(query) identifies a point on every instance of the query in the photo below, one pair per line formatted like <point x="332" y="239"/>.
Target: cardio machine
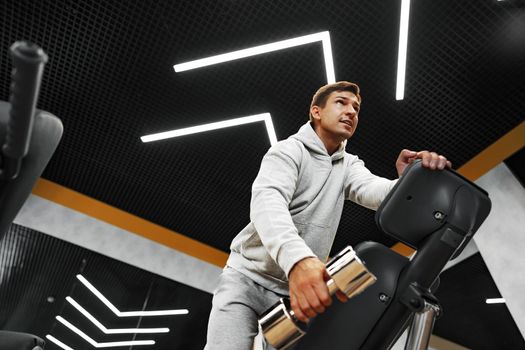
<point x="28" y="139"/>
<point x="434" y="212"/>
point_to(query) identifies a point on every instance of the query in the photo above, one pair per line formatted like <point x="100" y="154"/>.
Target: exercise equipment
<point x="20" y="341"/>
<point x="347" y="273"/>
<point x="28" y="138"/>
<point x="434" y="212"/>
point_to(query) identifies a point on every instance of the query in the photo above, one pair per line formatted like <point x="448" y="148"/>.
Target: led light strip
<point x="102" y="345"/>
<point x="58" y="342"/>
<point x="115" y="330"/>
<point x="266" y="117"/>
<point x="128" y="313"/>
<point x="495" y="300"/>
<point x="402" y="53"/>
<point x="323" y="37"/>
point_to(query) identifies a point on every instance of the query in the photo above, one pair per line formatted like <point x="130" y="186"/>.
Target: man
<point x="297" y="200"/>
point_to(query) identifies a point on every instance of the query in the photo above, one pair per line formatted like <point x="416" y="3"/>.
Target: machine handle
<point x="28" y="66"/>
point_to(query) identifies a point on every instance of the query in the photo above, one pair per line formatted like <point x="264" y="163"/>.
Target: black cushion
<point x="47" y="131"/>
<point x="423" y="201"/>
<point x="20" y="341"/>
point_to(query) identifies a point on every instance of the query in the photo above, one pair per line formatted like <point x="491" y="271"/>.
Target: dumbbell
<point x="348" y="274"/>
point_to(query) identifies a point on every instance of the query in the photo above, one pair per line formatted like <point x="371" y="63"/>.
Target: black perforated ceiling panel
<point x="110" y="79"/>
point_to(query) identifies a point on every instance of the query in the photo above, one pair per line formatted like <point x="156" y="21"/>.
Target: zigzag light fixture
<point x="58" y="342"/>
<point x="402" y="53"/>
<point x="323" y="37"/>
<point x="265" y="117"/>
<point x="115" y="330"/>
<point x="495" y="300"/>
<point x="119" y="313"/>
<point x="105" y="344"/>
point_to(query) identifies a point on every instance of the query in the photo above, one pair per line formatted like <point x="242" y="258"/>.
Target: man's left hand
<point x="430" y="160"/>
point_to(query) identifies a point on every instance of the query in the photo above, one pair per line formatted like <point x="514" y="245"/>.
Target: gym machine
<point x="28" y="139"/>
<point x="434" y="212"/>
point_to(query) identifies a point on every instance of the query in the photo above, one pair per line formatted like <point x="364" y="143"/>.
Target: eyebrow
<point x="346" y="98"/>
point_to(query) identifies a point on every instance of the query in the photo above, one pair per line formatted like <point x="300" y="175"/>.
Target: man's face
<point x="339" y="117"/>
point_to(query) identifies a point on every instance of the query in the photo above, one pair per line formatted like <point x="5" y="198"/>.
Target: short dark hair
<point x="321" y="96"/>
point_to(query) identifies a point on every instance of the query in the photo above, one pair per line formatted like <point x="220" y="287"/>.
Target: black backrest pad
<point x="46" y="134"/>
<point x="425" y="200"/>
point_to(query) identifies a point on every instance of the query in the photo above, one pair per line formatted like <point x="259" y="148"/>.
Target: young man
<point x="297" y="201"/>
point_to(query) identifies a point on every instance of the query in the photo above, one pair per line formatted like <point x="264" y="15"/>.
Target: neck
<point x="331" y="142"/>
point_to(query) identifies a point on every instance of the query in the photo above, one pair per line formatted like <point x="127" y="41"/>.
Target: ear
<point x="315" y="111"/>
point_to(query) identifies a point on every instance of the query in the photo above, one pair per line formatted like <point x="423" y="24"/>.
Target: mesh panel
<point x="110" y="79"/>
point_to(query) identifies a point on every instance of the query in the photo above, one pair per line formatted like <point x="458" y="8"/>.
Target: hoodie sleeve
<point x="365" y="188"/>
<point x="272" y="192"/>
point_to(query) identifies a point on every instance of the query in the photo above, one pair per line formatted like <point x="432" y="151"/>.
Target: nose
<point x="350" y="111"/>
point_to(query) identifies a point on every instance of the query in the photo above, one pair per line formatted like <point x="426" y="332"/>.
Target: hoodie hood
<point x="307" y="136"/>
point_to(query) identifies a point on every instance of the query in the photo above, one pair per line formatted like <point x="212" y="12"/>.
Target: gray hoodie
<point x="296" y="205"/>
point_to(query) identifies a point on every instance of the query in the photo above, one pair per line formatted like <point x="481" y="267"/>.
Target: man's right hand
<point x="308" y="292"/>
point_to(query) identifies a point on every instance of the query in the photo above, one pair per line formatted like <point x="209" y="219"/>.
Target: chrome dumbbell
<point x="348" y="274"/>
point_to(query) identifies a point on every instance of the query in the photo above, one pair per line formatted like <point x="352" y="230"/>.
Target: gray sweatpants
<point x="237" y="304"/>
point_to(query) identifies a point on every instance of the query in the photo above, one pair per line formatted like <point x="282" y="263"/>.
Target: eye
<point x="340" y="102"/>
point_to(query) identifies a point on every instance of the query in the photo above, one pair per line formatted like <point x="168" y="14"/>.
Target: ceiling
<point x="110" y="79"/>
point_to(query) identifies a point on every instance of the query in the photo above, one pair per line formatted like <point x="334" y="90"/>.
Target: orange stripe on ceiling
<point x="496" y="153"/>
<point x="104" y="212"/>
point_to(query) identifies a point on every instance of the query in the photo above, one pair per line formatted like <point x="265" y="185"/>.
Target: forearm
<point x="365" y="188"/>
<point x="371" y="193"/>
